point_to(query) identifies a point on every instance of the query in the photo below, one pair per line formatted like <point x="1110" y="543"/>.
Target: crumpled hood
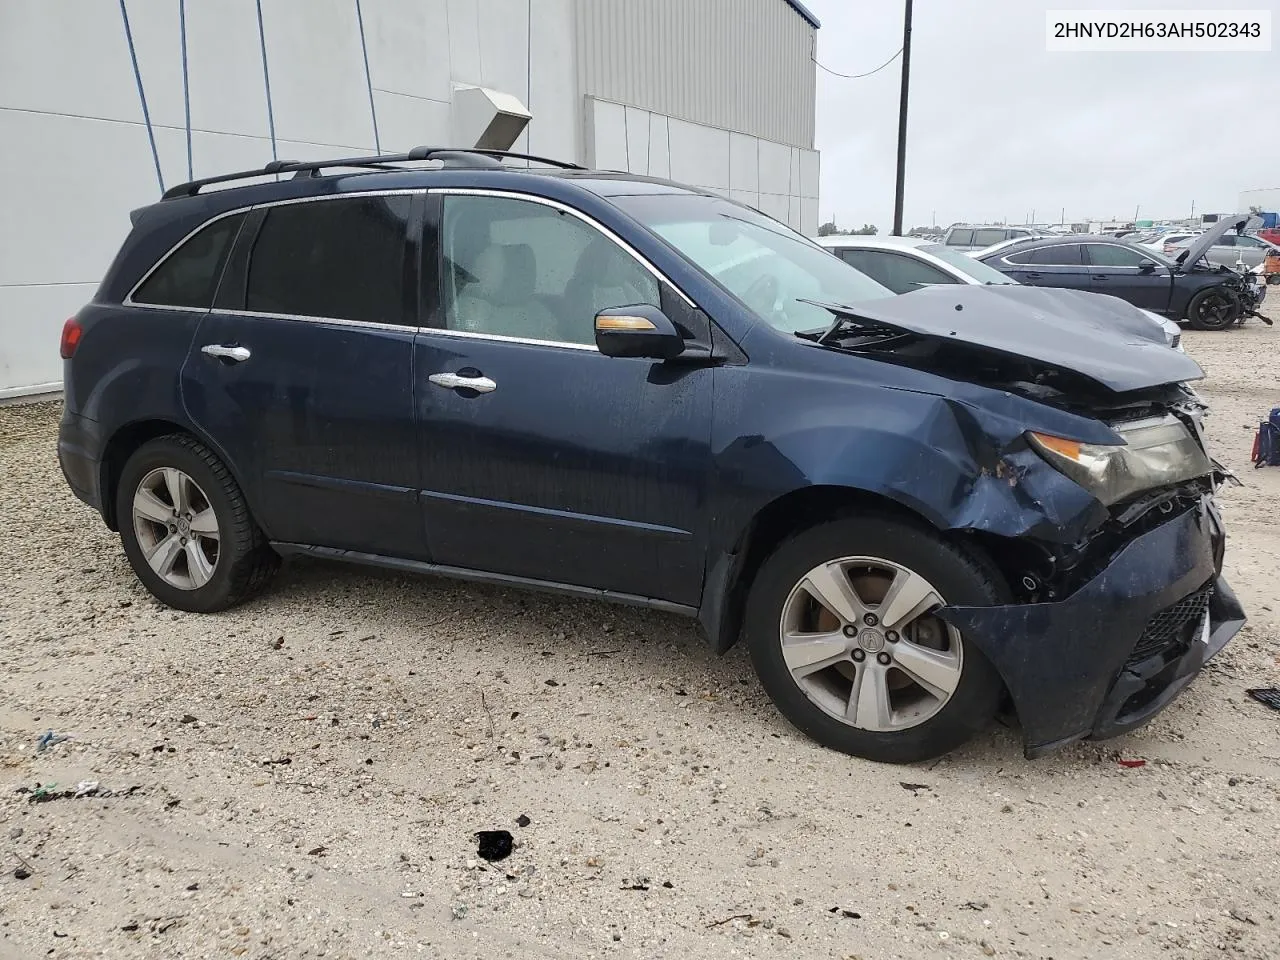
<point x="1099" y="337"/>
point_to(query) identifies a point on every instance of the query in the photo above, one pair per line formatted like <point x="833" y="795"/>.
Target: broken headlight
<point x="1156" y="452"/>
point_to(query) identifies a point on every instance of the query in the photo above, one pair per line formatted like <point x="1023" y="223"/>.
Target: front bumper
<point x="1116" y="652"/>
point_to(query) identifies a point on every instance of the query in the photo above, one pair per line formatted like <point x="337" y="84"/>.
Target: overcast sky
<point x="998" y="126"/>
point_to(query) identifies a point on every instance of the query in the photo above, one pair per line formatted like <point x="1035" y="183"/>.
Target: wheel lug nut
<point x="850" y="630"/>
<point x="891" y="636"/>
<point x="884" y="659"/>
<point x="859" y="656"/>
<point x="184" y="541"/>
<point x="870" y="619"/>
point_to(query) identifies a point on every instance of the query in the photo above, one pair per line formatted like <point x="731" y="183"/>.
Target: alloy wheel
<point x="860" y="640"/>
<point x="176" y="528"/>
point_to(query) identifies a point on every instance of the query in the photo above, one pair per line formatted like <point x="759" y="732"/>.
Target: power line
<point x="858" y="76"/>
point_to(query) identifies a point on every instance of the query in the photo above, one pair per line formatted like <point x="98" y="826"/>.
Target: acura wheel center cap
<point x="871" y="641"/>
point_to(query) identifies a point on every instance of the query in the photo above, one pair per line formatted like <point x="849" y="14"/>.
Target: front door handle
<point x="454" y="381"/>
<point x="234" y="352"/>
<point x="1100" y="276"/>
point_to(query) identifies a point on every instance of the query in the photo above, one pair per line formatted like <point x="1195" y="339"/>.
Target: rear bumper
<point x="1122" y="647"/>
<point x="79" y="446"/>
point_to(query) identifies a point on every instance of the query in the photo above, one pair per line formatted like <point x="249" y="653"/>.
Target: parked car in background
<point x="976" y="237"/>
<point x="1165" y="242"/>
<point x="619" y="388"/>
<point x="1231" y="250"/>
<point x="1207" y="297"/>
<point x="904" y="264"/>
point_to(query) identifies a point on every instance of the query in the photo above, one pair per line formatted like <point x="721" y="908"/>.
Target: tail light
<point x="71" y="331"/>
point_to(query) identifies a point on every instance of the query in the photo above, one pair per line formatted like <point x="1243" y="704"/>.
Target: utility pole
<point x="902" y="121"/>
<point x="1062" y="222"/>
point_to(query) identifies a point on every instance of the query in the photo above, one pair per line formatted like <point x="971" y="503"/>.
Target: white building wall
<point x="775" y="178"/>
<point x="744" y="65"/>
<point x="76" y="148"/>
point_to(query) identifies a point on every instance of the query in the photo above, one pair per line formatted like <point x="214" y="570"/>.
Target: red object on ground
<point x="1273" y="235"/>
<point x="1132" y="763"/>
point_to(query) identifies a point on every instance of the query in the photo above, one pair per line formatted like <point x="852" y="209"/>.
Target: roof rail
<point x="450" y="156"/>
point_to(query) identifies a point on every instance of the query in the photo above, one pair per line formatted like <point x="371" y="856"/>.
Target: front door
<point x="541" y="457"/>
<point x="1119" y="271"/>
<point x="302" y="374"/>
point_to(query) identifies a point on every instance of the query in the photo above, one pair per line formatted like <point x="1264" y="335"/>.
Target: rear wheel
<point x="1213" y="309"/>
<point x="842" y="633"/>
<point x="186" y="528"/>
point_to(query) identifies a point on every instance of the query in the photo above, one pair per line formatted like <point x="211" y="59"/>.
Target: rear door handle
<point x="454" y="381"/>
<point x="222" y="351"/>
<point x="1033" y="275"/>
<point x="1099" y="276"/>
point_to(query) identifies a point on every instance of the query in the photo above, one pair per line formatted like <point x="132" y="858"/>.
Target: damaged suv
<point x="915" y="510"/>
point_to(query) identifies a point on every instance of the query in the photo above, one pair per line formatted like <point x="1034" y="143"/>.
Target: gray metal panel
<point x="743" y="65"/>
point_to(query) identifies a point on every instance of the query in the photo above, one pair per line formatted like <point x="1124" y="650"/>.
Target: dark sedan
<point x="1209" y="297"/>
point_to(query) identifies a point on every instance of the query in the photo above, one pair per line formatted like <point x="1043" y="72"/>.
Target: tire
<point x="777" y="595"/>
<point x="1273" y="279"/>
<point x="237" y="562"/>
<point x="1213" y="308"/>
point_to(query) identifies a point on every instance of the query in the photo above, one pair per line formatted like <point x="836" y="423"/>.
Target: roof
<point x="804" y="12"/>
<point x="872" y="243"/>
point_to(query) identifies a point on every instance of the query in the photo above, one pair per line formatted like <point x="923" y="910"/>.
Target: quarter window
<point x="516" y="268"/>
<point x="341" y="259"/>
<point x="190" y="275"/>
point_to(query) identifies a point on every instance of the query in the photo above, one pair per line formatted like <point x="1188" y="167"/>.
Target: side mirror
<point x="637" y="331"/>
<point x="1146" y="266"/>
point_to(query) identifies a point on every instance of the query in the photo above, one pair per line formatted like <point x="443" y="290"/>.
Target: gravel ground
<point x="302" y="777"/>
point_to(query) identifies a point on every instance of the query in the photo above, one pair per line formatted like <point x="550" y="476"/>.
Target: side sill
<point x="480" y="576"/>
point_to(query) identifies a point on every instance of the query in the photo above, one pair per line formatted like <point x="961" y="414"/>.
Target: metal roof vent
<point x="487" y="119"/>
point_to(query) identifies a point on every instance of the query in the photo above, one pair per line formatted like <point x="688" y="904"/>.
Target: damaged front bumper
<point x="1113" y="654"/>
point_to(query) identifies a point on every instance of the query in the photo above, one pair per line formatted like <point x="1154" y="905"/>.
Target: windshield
<point x="763" y="263"/>
<point x="974" y="269"/>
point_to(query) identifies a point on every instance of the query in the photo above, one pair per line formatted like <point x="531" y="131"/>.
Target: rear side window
<point x="342" y="259"/>
<point x="987" y="238"/>
<point x="1063" y="255"/>
<point x="189" y="276"/>
<point x="959" y="238"/>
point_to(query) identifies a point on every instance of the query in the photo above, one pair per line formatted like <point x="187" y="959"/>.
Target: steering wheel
<point x="762" y="295"/>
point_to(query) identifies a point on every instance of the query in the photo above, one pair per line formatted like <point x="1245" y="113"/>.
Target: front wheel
<point x="186" y="528"/>
<point x="1213" y="309"/>
<point x="842" y="633"/>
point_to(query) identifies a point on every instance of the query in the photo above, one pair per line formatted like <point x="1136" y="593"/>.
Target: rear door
<point x="1129" y="274"/>
<point x="541" y="457"/>
<point x="1058" y="265"/>
<point x="302" y="373"/>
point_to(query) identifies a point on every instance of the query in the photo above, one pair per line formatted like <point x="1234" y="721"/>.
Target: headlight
<point x="1155" y="453"/>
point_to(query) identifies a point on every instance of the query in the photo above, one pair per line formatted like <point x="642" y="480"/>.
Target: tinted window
<point x="1063" y="255"/>
<point x="1227" y="240"/>
<point x="189" y="277"/>
<point x="332" y="258"/>
<point x="960" y="238"/>
<point x="986" y="238"/>
<point x="898" y="272"/>
<point x="1113" y="255"/>
<point x="521" y="269"/>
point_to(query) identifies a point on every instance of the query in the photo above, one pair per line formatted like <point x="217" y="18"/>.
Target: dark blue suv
<point x="917" y="510"/>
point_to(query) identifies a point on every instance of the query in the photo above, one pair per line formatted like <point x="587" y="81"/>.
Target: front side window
<point x="517" y="268"/>
<point x="340" y="259"/>
<point x="772" y="270"/>
<point x="189" y="277"/>
<point x="898" y="272"/>
<point x="1112" y="255"/>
